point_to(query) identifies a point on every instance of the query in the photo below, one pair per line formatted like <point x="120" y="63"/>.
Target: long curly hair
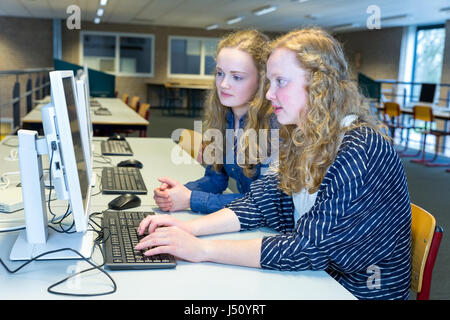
<point x="308" y="150"/>
<point x="260" y="110"/>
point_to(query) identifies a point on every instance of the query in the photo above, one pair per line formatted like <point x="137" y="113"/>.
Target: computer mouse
<point x="125" y="201"/>
<point x="131" y="163"/>
<point x="116" y="136"/>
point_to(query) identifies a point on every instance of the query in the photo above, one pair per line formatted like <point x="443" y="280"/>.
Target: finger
<point x="152" y="240"/>
<point x="163" y="186"/>
<point x="161" y="193"/>
<point x="162" y="201"/>
<point x="144" y="223"/>
<point x="169" y="181"/>
<point x="160" y="250"/>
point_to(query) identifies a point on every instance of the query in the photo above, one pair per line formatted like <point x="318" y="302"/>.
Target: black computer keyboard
<point x="116" y="148"/>
<point x="102" y="112"/>
<point x="120" y="229"/>
<point x="121" y="180"/>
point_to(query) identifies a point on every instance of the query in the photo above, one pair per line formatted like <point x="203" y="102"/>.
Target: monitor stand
<point x="38" y="238"/>
<point x="80" y="242"/>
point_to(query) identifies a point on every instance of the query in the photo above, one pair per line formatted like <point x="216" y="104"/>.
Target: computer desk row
<point x="122" y="117"/>
<point x="188" y="281"/>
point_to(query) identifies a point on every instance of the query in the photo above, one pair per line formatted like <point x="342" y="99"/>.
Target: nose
<point x="224" y="83"/>
<point x="270" y="94"/>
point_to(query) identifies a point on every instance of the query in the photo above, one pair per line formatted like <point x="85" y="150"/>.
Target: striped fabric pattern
<point x="359" y="228"/>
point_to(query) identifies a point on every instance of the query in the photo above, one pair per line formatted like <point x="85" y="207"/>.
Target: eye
<point x="219" y="73"/>
<point x="237" y="77"/>
<point x="280" y="82"/>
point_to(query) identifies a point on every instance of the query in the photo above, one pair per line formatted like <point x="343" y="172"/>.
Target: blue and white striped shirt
<point x="358" y="229"/>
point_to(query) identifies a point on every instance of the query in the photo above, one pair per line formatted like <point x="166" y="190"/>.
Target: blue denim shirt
<point x="206" y="196"/>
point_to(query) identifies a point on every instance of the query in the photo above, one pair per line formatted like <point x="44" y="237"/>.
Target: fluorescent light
<point x="235" y="20"/>
<point x="97" y="20"/>
<point x="103" y="2"/>
<point x="265" y="10"/>
<point x="345" y="26"/>
<point x="299" y="1"/>
<point x="100" y="12"/>
<point x="397" y="17"/>
<point x="212" y="27"/>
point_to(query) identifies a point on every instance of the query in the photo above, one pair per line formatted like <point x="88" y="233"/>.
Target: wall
<point x="24" y="44"/>
<point x="379" y="52"/>
<point x="137" y="86"/>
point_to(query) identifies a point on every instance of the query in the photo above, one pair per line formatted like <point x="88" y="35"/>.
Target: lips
<point x="277" y="109"/>
<point x="225" y="95"/>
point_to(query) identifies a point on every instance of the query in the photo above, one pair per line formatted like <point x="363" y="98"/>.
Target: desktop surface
<point x="187" y="281"/>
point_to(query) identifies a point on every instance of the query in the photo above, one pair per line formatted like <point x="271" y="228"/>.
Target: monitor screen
<point x="76" y="138"/>
<point x="427" y="92"/>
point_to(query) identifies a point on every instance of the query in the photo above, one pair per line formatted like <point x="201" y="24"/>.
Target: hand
<point x="175" y="241"/>
<point x="152" y="222"/>
<point x="162" y="198"/>
<point x="172" y="195"/>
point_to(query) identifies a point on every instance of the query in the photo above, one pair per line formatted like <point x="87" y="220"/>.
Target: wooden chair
<point x="191" y="142"/>
<point x="425" y="113"/>
<point x="134" y="103"/>
<point x="125" y="98"/>
<point x="144" y="112"/>
<point x="425" y="240"/>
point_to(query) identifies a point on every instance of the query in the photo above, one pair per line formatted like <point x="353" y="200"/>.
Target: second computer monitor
<point x="75" y="164"/>
<point x="84" y="118"/>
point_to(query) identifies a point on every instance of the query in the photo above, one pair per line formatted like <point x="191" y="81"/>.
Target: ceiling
<point x="337" y="15"/>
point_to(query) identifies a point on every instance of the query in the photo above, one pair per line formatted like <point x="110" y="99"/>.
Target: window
<point x="120" y="54"/>
<point x="428" y="56"/>
<point x="192" y="57"/>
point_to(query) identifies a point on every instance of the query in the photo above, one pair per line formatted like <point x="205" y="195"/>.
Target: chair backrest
<point x="143" y="108"/>
<point x="191" y="142"/>
<point x="125" y="98"/>
<point x="424" y="113"/>
<point x="134" y="103"/>
<point x="392" y="109"/>
<point x="423" y="226"/>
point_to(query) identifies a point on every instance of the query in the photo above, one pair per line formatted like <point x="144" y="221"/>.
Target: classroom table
<point x="188" y="281"/>
<point x="122" y="117"/>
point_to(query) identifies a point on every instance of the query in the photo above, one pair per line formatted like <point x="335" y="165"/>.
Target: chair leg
<point x="436" y="153"/>
<point x="422" y="159"/>
<point x="406" y="155"/>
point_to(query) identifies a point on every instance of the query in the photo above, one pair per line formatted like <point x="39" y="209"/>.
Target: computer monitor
<point x="64" y="132"/>
<point x="427" y="92"/>
<point x="84" y="117"/>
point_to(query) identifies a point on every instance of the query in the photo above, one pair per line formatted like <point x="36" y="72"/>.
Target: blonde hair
<point x="308" y="150"/>
<point x="254" y="43"/>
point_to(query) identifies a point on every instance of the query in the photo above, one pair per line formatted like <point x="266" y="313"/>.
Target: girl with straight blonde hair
<point x="235" y="103"/>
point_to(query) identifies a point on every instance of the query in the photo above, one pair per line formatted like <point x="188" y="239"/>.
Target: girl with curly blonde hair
<point x="339" y="200"/>
<point x="235" y="104"/>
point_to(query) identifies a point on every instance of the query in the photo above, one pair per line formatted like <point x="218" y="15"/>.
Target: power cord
<point x="100" y="238"/>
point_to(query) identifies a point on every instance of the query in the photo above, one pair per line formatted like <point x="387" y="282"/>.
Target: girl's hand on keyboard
<point x="152" y="222"/>
<point x="175" y="241"/>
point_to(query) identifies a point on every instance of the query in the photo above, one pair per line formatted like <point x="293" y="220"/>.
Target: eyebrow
<point x="232" y="72"/>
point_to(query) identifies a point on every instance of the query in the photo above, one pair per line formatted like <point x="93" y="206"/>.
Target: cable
<point x="97" y="242"/>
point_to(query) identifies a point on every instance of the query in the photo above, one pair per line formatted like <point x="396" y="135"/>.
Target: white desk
<point x="188" y="281"/>
<point x="122" y="117"/>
